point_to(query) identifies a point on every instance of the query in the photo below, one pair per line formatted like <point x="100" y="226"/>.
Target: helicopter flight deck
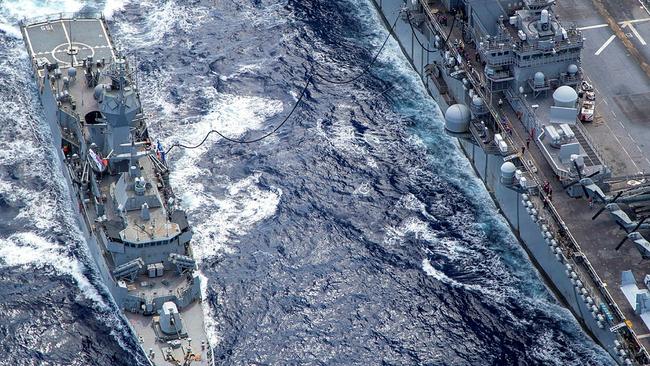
<point x="66" y="41"/>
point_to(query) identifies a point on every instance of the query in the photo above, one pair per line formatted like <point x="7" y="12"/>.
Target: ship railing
<point x="573" y="245"/>
<point x="570" y="42"/>
<point x="572" y="242"/>
<point x="60" y="16"/>
<point x="500" y="75"/>
<point x="522" y="63"/>
<point x="470" y="75"/>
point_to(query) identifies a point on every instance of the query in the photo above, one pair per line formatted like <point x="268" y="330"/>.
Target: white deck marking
<point x="592" y="27"/>
<point x="636" y="33"/>
<point x="29" y="41"/>
<point x="607" y="42"/>
<point x="74" y="58"/>
<point x="108" y="41"/>
<point x="66" y="33"/>
<point x="596" y="26"/>
<point x="621" y="144"/>
<point x="635" y="20"/>
<point x="644" y="7"/>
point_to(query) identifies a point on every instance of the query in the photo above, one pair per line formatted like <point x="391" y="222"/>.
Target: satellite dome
<point x="508" y="170"/>
<point x="565" y="96"/>
<point x="72" y="72"/>
<point x="572" y="69"/>
<point x="99" y="90"/>
<point x="477" y="101"/>
<point x="539" y="78"/>
<point x="457" y="118"/>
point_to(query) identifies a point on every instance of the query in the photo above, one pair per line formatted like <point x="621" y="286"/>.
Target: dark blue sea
<point x="356" y="235"/>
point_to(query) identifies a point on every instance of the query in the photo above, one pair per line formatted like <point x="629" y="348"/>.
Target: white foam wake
<point x="244" y="203"/>
<point x="218" y="219"/>
<point x="161" y="20"/>
<point x="31" y="249"/>
<point x="19" y="9"/>
<point x="43" y="207"/>
<point x="12" y="11"/>
<point x="113" y="6"/>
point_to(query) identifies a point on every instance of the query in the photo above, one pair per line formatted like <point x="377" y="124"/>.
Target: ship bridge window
<point x="91" y="117"/>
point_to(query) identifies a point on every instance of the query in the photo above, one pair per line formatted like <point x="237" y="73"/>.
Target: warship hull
<point x="47" y="45"/>
<point x="556" y="269"/>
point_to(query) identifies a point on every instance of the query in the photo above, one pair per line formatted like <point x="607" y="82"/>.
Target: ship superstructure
<point x="510" y="78"/>
<point x="118" y="179"/>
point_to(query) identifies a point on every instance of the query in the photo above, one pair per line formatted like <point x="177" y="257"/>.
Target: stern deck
<point x="68" y="41"/>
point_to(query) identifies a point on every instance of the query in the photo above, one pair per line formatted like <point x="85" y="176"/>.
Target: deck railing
<point x="572" y="242"/>
<point x="60" y="16"/>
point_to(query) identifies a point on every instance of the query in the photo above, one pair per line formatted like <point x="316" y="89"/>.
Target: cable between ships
<point x="310" y="80"/>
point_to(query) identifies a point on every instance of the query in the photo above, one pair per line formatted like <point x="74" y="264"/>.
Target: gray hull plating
<point x="49" y="105"/>
<point x="102" y="192"/>
<point x="487" y="167"/>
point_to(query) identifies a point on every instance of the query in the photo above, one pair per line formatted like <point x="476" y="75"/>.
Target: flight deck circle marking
<point x="60" y="48"/>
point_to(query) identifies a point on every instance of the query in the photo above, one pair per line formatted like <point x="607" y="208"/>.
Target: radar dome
<point x="72" y="72"/>
<point x="457" y="118"/>
<point x="99" y="90"/>
<point x="565" y="96"/>
<point x="508" y="170"/>
<point x="539" y="78"/>
<point x="572" y="69"/>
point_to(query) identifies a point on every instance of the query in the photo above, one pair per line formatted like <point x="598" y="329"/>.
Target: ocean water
<point x="356" y="235"/>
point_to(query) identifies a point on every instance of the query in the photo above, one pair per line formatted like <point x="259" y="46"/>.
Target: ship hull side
<point x="487" y="168"/>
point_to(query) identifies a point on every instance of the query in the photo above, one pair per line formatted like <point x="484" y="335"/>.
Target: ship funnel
<point x="144" y="213"/>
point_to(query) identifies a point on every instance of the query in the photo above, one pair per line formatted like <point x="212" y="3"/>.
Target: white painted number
<point x="47" y="27"/>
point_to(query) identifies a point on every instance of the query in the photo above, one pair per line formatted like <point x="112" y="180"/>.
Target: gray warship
<point x="552" y="115"/>
<point x="117" y="177"/>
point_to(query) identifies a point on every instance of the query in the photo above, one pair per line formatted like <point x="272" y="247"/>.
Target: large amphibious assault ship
<point x="548" y="113"/>
<point x="118" y="181"/>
